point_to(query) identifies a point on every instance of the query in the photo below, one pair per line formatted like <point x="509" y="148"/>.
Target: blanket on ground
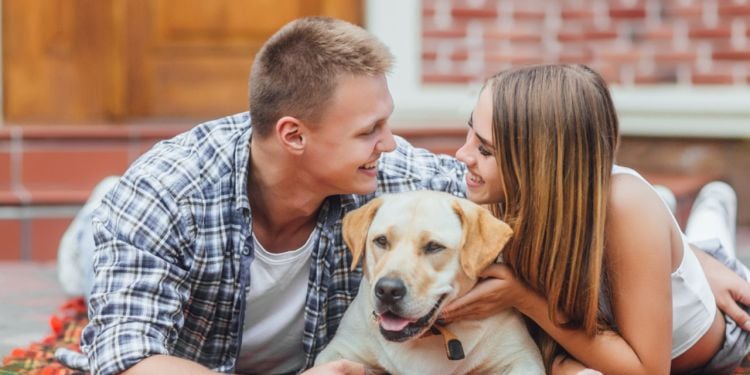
<point x="39" y="357"/>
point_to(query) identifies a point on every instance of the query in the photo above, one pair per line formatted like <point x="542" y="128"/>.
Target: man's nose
<point x="388" y="142"/>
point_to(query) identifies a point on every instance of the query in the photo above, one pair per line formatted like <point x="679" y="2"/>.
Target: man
<point x="221" y="248"/>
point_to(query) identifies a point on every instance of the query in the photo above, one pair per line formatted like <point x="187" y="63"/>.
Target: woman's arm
<point x="729" y="288"/>
<point x="639" y="260"/>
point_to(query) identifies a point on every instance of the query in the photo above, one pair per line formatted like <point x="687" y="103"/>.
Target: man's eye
<point x="433" y="247"/>
<point x="484" y="151"/>
<point x="381" y="242"/>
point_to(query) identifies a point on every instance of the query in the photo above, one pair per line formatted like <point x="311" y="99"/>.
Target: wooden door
<point x="93" y="61"/>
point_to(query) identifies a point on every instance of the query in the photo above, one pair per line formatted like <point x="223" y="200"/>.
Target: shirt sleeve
<point x="411" y="168"/>
<point x="141" y="282"/>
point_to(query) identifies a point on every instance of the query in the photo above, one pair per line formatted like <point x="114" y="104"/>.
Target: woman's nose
<point x="462" y="155"/>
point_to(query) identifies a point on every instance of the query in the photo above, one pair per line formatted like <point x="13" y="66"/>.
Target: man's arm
<point x="140" y="286"/>
<point x="729" y="288"/>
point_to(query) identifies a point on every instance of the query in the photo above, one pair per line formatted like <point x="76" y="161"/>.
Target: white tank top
<point x="693" y="303"/>
<point x="275" y="310"/>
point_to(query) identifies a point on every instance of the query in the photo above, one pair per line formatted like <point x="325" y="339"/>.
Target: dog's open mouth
<point x="396" y="328"/>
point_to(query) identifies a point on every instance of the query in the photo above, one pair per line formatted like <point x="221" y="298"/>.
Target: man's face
<point x="345" y="145"/>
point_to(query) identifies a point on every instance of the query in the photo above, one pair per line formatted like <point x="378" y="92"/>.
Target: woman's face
<point x="483" y="180"/>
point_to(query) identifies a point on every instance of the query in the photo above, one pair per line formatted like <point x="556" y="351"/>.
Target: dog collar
<point x="453" y="348"/>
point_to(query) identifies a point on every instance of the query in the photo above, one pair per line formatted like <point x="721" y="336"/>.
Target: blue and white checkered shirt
<point x="174" y="249"/>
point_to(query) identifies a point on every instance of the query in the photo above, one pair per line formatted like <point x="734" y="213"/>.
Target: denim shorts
<point x="736" y="340"/>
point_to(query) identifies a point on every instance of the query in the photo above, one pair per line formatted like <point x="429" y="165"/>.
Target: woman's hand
<point x="498" y="291"/>
<point x="730" y="290"/>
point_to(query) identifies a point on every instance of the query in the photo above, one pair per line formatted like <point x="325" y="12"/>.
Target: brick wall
<point x="47" y="173"/>
<point x="630" y="42"/>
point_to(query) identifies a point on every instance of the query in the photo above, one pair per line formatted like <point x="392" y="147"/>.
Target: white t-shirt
<point x="274" y="311"/>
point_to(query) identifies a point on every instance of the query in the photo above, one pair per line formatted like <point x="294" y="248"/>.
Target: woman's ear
<point x="291" y="132"/>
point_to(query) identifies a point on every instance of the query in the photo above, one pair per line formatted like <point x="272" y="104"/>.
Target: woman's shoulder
<point x="630" y="193"/>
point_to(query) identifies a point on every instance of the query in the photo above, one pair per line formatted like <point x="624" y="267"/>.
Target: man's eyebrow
<point x="373" y="124"/>
<point x="471" y="125"/>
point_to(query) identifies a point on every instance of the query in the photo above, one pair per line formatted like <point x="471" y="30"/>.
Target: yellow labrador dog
<point x="422" y="250"/>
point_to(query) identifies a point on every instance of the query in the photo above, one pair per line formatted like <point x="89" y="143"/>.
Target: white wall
<point x="721" y="111"/>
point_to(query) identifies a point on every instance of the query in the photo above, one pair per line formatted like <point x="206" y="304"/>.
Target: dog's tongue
<point x="392" y="323"/>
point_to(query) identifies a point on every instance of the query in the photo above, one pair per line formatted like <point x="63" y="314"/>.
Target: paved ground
<point x="30" y="294"/>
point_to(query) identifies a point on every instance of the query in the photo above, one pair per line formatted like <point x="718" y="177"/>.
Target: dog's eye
<point x="433" y="247"/>
<point x="380" y="241"/>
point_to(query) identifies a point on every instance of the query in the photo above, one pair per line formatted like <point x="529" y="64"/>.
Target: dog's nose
<point x="390" y="290"/>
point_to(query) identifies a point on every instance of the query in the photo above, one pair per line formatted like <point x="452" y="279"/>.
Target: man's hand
<point x="339" y="367"/>
<point x="729" y="289"/>
<point x="498" y="291"/>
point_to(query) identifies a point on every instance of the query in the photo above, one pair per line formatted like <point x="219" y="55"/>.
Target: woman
<point x="597" y="264"/>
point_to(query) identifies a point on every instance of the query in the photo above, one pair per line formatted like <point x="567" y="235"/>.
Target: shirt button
<point x="245" y="250"/>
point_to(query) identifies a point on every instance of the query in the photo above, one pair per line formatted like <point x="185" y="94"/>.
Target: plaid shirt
<point x="174" y="249"/>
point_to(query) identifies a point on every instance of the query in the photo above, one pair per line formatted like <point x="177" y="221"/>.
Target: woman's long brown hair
<point x="555" y="132"/>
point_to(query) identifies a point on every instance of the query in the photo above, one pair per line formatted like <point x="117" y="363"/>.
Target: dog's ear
<point x="483" y="237"/>
<point x="355" y="227"/>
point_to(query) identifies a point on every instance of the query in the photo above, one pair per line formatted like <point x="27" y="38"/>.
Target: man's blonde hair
<point x="295" y="72"/>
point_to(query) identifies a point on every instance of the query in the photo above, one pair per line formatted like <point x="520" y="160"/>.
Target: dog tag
<point x="453" y="347"/>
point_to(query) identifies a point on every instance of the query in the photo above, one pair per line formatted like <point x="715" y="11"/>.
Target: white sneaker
<point x="667" y="196"/>
<point x="714" y="215"/>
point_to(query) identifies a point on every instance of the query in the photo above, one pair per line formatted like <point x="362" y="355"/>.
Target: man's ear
<point x="292" y="134"/>
<point x="355" y="227"/>
<point x="483" y="237"/>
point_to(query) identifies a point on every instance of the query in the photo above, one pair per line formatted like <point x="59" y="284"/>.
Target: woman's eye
<point x="381" y="242"/>
<point x="433" y="247"/>
<point x="484" y="151"/>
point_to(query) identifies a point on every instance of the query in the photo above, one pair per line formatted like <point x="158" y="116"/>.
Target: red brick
<point x="658" y="33"/>
<point x="5" y="168"/>
<point x="707" y="33"/>
<point x="734" y="9"/>
<point x="528" y="14"/>
<point x="682" y="11"/>
<point x="610" y="72"/>
<point x="45" y="237"/>
<point x="575" y="14"/>
<point x="634" y="12"/>
<point x="429" y="55"/>
<point x="459" y="55"/>
<point x="600" y="34"/>
<point x="656" y="78"/>
<point x="514" y="58"/>
<point x="71" y="166"/>
<point x="620" y="56"/>
<point x="453" y="32"/>
<point x="674" y="56"/>
<point x="514" y="36"/>
<point x="462" y="12"/>
<point x="570" y="36"/>
<point x="575" y="57"/>
<point x="743" y="55"/>
<point x="430" y="78"/>
<point x="10" y="232"/>
<point x="712" y="78"/>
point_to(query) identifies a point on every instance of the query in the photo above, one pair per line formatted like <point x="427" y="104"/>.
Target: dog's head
<point x="422" y="250"/>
